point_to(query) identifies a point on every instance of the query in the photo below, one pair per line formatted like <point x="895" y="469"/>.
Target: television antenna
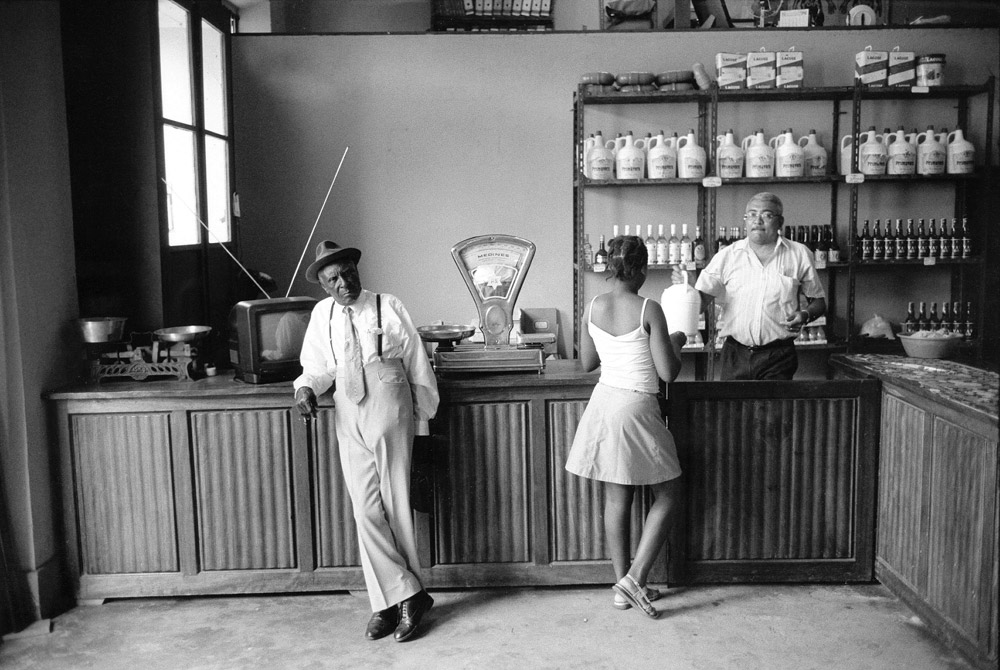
<point x="316" y="223"/>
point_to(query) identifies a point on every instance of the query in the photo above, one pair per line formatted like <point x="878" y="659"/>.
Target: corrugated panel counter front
<point x="215" y="486"/>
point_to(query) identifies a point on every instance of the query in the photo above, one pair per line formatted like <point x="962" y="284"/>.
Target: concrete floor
<point x="706" y="627"/>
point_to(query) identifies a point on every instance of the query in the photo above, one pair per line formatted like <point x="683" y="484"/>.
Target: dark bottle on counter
<point x="735" y="234"/>
<point x="889" y="242"/>
<point x="833" y="255"/>
<point x="946" y="316"/>
<point x="933" y="241"/>
<point x="814" y="238"/>
<point x="912" y="248"/>
<point x="923" y="323"/>
<point x="900" y="252"/>
<point x="698" y="246"/>
<point x="966" y="240"/>
<point x="946" y="239"/>
<point x="956" y="240"/>
<point x="970" y="332"/>
<point x="601" y="257"/>
<point x="956" y="317"/>
<point x="923" y="242"/>
<point x="910" y="323"/>
<point x="865" y="242"/>
<point x="934" y="319"/>
<point x="878" y="243"/>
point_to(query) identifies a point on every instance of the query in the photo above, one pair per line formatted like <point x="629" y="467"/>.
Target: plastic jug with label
<point x="931" y="153"/>
<point x="846" y="154"/>
<point x="661" y="157"/>
<point x="690" y="158"/>
<point x="788" y="156"/>
<point x="728" y="157"/>
<point x="630" y="160"/>
<point x="681" y="305"/>
<point x="961" y="154"/>
<point x="588" y="144"/>
<point x="814" y="155"/>
<point x="759" y="157"/>
<point x="872" y="155"/>
<point x="600" y="161"/>
<point x="902" y="154"/>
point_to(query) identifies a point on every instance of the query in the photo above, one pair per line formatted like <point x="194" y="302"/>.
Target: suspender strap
<point x="378" y="312"/>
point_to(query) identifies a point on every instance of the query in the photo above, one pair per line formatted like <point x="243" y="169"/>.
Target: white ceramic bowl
<point x="929" y="347"/>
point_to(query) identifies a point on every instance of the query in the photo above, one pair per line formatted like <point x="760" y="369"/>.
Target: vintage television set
<point x="265" y="338"/>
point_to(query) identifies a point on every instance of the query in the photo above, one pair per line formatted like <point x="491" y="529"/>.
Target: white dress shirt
<point x="759" y="298"/>
<point x="323" y="346"/>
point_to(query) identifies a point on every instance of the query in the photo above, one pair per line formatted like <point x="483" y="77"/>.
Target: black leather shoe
<point x="382" y="623"/>
<point x="411" y="611"/>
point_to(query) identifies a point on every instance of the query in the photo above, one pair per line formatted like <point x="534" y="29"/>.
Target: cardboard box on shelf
<point x="902" y="68"/>
<point x="871" y="67"/>
<point x="791" y="69"/>
<point x="540" y="325"/>
<point x="761" y="70"/>
<point x="731" y="70"/>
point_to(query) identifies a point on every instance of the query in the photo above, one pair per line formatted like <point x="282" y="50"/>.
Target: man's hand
<point x="305" y="401"/>
<point x="677" y="275"/>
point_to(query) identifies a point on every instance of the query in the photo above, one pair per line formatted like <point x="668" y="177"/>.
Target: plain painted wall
<point x="458" y="135"/>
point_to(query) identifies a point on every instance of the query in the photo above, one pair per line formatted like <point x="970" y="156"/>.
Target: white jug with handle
<point x="681" y="305"/>
<point x="902" y="158"/>
<point x="630" y="159"/>
<point x="846" y="151"/>
<point x="872" y="155"/>
<point x="589" y="144"/>
<point x="691" y="158"/>
<point x="600" y="165"/>
<point x="788" y="156"/>
<point x="961" y="154"/>
<point x="661" y="157"/>
<point x="728" y="157"/>
<point x="814" y="155"/>
<point x="931" y="154"/>
<point x="759" y="156"/>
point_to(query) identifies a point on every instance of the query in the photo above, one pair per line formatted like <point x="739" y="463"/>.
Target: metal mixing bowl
<point x="182" y="333"/>
<point x="102" y="329"/>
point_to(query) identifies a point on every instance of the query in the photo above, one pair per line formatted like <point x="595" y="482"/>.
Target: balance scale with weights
<point x="493" y="267"/>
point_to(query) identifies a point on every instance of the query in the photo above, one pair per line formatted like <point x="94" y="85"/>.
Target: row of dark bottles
<point x="950" y="318"/>
<point x="911" y="243"/>
<point x="820" y="240"/>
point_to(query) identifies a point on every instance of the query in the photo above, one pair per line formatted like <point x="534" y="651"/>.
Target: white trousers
<point x="376" y="442"/>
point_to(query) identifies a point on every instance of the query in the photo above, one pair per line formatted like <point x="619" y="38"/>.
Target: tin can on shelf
<point x="930" y="70"/>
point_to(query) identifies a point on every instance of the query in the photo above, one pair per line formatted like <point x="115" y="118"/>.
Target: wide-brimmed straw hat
<point x="329" y="252"/>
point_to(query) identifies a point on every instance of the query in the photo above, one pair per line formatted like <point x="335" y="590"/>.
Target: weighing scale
<point x="493" y="268"/>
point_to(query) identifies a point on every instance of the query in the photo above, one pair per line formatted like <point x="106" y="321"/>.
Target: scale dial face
<point x="494" y="267"/>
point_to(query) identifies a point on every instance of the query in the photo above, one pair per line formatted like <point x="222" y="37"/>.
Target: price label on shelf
<point x="855" y="178"/>
<point x="689" y="265"/>
<point x="820" y="265"/>
<point x="920" y="89"/>
<point x="711" y="182"/>
<point x="930" y="260"/>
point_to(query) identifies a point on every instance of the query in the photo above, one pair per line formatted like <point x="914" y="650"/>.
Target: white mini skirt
<point x="622" y="439"/>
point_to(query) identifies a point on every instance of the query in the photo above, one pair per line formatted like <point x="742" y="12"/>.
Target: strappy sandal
<point x="629" y="589"/>
<point x="621" y="603"/>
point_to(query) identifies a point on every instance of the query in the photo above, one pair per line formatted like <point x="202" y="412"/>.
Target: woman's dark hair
<point x="627" y="257"/>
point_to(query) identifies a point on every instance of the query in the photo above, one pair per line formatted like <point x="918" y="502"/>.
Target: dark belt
<point x="774" y="344"/>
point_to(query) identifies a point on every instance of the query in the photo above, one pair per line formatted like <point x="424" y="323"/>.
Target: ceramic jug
<point x="902" y="154"/>
<point x="728" y="157"/>
<point x="681" y="305"/>
<point x="961" y="154"/>
<point x="690" y="157"/>
<point x="788" y="156"/>
<point x="661" y="157"/>
<point x="588" y="145"/>
<point x="931" y="154"/>
<point x="814" y="155"/>
<point x="758" y="156"/>
<point x="872" y="155"/>
<point x="630" y="160"/>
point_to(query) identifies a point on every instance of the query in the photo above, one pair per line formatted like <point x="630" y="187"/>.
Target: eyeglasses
<point x="766" y="216"/>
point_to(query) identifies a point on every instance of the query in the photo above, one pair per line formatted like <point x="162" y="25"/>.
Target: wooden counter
<point x="938" y="489"/>
<point x="215" y="486"/>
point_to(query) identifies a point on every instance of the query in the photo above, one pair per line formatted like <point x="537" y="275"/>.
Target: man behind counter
<point x="759" y="279"/>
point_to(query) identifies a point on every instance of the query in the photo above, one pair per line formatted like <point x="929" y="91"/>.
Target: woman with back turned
<point x="622" y="439"/>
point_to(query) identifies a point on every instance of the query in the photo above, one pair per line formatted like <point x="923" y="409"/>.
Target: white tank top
<point x="626" y="361"/>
